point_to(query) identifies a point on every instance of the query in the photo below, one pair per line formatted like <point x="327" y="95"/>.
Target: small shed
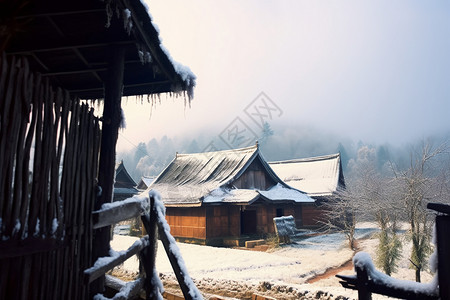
<point x="319" y="177"/>
<point x="225" y="197"/>
<point x="124" y="185"/>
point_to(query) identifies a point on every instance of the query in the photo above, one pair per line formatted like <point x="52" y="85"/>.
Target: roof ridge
<point x="254" y="147"/>
<point x="307" y="159"/>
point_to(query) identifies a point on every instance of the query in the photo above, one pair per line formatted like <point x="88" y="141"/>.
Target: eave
<point x="68" y="43"/>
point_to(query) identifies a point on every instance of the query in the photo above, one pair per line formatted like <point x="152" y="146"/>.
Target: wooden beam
<point x="128" y="90"/>
<point x="174" y="260"/>
<point x="152" y="45"/>
<point x="78" y="71"/>
<point x="443" y="250"/>
<point x="86" y="63"/>
<point x="127" y="290"/>
<point x="65" y="12"/>
<point x="117" y="213"/>
<point x="104" y="264"/>
<point x="56" y="45"/>
<point x="110" y="130"/>
<point x="148" y="254"/>
<point x="15" y="248"/>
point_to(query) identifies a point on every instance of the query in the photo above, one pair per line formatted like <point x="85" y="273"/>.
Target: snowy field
<point x="282" y="271"/>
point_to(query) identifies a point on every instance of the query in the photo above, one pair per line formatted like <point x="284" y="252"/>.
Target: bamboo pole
<point x="28" y="143"/>
<point x="36" y="184"/>
<point x="5" y="147"/>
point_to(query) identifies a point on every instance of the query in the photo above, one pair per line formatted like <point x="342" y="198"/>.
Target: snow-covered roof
<point x="193" y="179"/>
<point x="247" y="196"/>
<point x="317" y="176"/>
<point x="123" y="178"/>
<point x="145" y="182"/>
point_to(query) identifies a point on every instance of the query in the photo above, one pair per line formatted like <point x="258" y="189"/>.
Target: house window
<point x="280" y="212"/>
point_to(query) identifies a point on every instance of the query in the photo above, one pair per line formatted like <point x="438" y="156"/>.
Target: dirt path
<point x="348" y="265"/>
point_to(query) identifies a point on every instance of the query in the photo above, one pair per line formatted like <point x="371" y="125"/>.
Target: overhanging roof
<point x="69" y="43"/>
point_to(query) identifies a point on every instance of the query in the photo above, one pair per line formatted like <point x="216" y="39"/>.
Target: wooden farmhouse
<point x="320" y="177"/>
<point x="225" y="197"/>
<point x="124" y="185"/>
<point x="57" y="152"/>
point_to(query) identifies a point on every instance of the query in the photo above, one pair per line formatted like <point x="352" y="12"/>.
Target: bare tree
<point x="349" y="206"/>
<point x="418" y="185"/>
<point x="341" y="215"/>
<point x="369" y="197"/>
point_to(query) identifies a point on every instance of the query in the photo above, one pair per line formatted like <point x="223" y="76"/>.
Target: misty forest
<point x="149" y="158"/>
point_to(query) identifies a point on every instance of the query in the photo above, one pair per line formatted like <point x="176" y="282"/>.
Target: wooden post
<point x="443" y="250"/>
<point x="173" y="259"/>
<point x="148" y="254"/>
<point x="110" y="130"/>
<point x="362" y="281"/>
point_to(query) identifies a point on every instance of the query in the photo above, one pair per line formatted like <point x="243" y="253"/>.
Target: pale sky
<point x="377" y="70"/>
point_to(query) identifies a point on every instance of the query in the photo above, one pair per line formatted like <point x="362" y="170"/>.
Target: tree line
<point x="391" y="194"/>
<point x="149" y="158"/>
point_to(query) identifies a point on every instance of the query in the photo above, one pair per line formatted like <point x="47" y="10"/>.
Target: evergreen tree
<point x="266" y="133"/>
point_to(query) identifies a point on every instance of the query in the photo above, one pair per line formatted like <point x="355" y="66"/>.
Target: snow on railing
<point x="368" y="280"/>
<point x="112" y="213"/>
<point x="363" y="261"/>
<point x="152" y="212"/>
<point x="187" y="286"/>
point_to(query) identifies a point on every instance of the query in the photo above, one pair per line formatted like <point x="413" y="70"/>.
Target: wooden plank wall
<point x="48" y="167"/>
<point x="312" y="215"/>
<point x="223" y="221"/>
<point x="187" y="222"/>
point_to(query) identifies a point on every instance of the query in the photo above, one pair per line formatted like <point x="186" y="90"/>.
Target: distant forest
<point x="150" y="158"/>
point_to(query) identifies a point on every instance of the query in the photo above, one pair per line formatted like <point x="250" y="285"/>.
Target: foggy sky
<point x="368" y="70"/>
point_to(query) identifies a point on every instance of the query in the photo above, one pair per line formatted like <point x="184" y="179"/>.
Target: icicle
<point x="127" y="23"/>
<point x="148" y="57"/>
<point x="109" y="13"/>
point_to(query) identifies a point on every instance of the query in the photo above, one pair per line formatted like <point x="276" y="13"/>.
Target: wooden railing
<point x="152" y="214"/>
<point x="367" y="280"/>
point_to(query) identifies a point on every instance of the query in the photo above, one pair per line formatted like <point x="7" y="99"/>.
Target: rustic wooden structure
<point x="225" y="197"/>
<point x="56" y="164"/>
<point x="366" y="283"/>
<point x="151" y="211"/>
<point x="321" y="178"/>
<point x="124" y="185"/>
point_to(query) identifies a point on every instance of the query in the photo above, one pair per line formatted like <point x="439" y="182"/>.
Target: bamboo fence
<point x="49" y="145"/>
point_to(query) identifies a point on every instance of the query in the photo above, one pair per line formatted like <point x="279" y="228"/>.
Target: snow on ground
<point x="281" y="269"/>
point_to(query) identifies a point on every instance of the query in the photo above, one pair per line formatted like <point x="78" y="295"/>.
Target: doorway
<point x="248" y="222"/>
